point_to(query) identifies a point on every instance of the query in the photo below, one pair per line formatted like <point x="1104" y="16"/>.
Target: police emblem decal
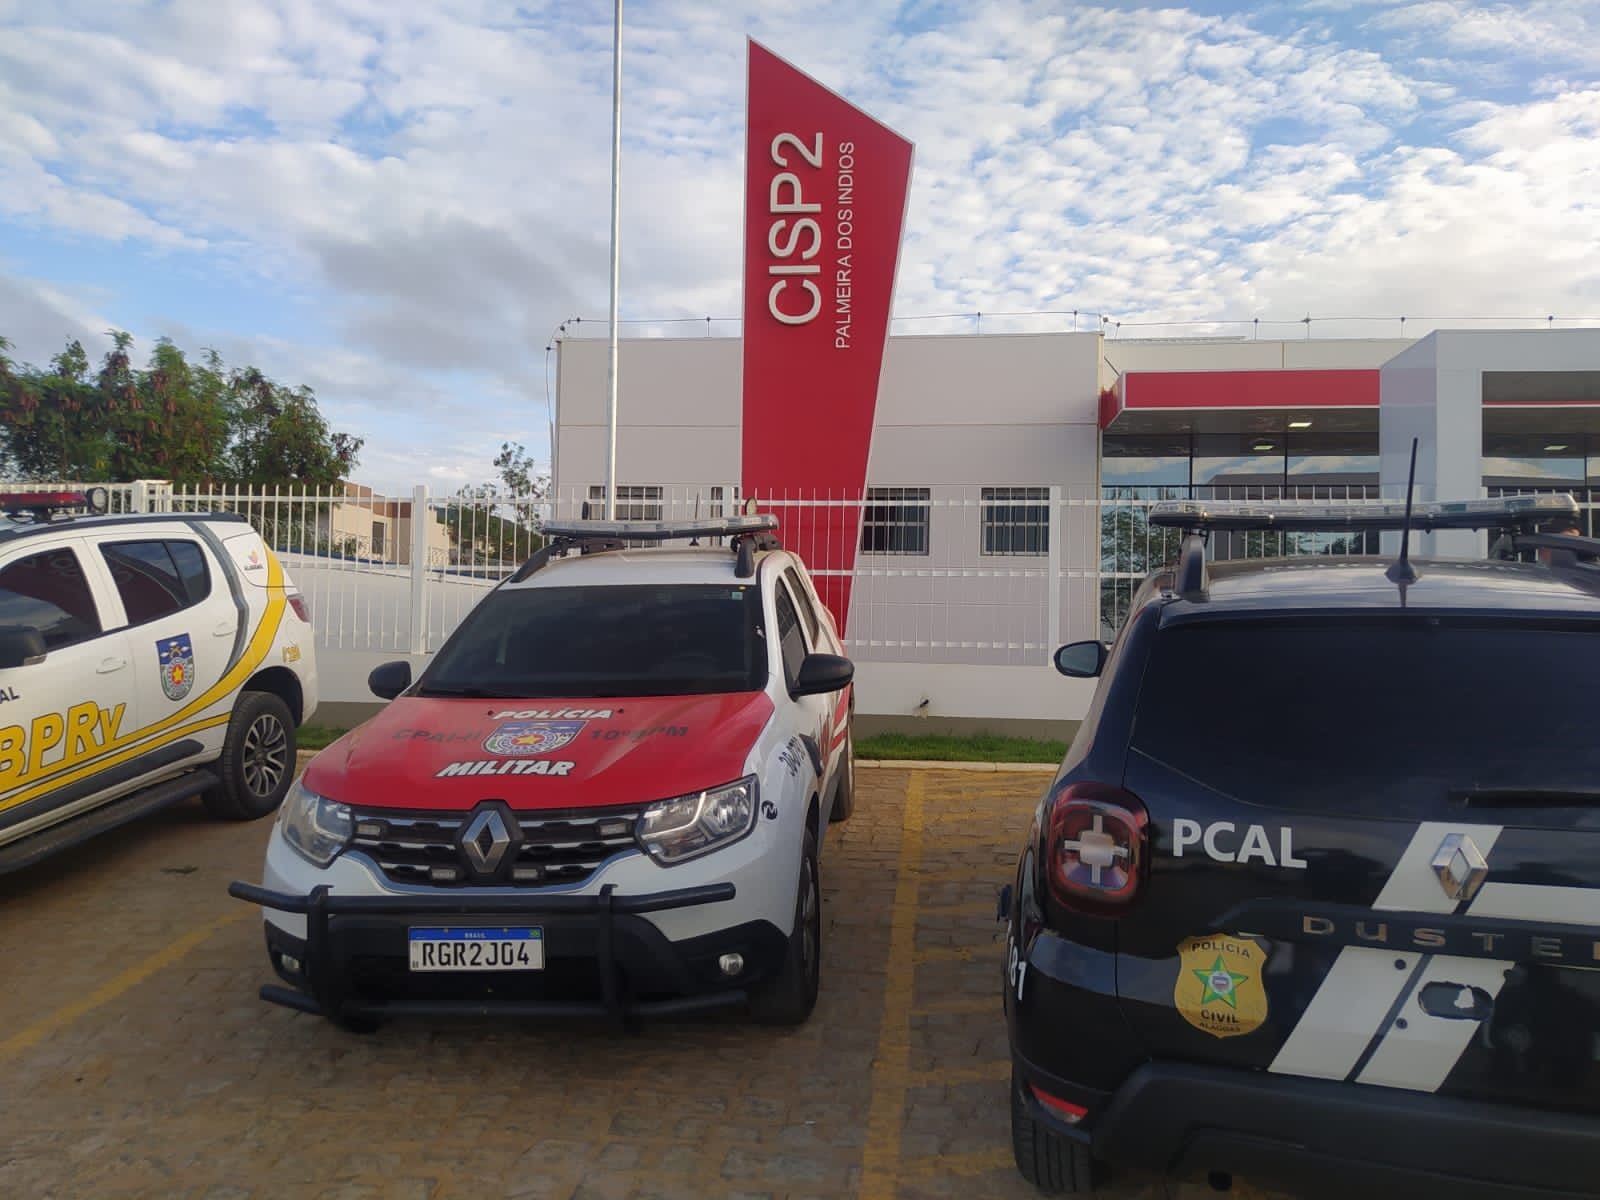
<point x="1219" y="987"/>
<point x="177" y="665"/>
<point x="522" y="739"/>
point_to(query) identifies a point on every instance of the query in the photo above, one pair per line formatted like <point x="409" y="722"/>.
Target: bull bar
<point x="325" y="983"/>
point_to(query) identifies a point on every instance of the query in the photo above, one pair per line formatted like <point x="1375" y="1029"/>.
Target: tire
<point x="1047" y="1160"/>
<point x="844" y="796"/>
<point x="789" y="998"/>
<point x="257" y="763"/>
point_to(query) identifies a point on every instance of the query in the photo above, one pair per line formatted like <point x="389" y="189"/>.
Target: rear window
<point x="1373" y="717"/>
<point x="680" y="640"/>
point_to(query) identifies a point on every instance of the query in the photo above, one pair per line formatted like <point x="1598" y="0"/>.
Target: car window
<point x="147" y="579"/>
<point x="790" y="639"/>
<point x="648" y="640"/>
<point x="802" y="601"/>
<point x="192" y="569"/>
<point x="1384" y="717"/>
<point x="48" y="592"/>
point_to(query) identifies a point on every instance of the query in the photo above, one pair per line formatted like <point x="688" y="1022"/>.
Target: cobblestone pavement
<point x="135" y="1059"/>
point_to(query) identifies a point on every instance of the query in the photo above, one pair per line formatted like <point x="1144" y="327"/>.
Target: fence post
<point x="1053" y="620"/>
<point x="419" y="569"/>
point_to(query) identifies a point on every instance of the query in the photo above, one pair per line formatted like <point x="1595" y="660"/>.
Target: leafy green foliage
<point x="497" y="522"/>
<point x="976" y="747"/>
<point x="189" y="422"/>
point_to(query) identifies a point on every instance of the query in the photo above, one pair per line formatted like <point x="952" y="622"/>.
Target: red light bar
<point x="51" y="500"/>
<point x="95" y="500"/>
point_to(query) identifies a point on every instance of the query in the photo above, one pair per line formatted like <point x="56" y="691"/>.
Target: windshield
<point x="1379" y="718"/>
<point x="680" y="640"/>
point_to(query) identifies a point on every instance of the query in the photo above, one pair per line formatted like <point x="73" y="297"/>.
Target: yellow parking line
<point x="979" y="1162"/>
<point x="109" y="991"/>
<point x="983" y="1073"/>
<point x="891" y="1065"/>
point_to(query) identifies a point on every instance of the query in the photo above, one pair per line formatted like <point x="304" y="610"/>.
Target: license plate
<point x="477" y="948"/>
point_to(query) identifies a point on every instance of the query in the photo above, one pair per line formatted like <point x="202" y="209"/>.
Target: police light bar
<point x="1360" y="515"/>
<point x="43" y="504"/>
<point x="661" y="531"/>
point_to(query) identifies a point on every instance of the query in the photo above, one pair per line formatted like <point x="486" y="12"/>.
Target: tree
<point x="499" y="521"/>
<point x="191" y="423"/>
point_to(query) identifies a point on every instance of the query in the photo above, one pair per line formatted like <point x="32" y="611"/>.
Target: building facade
<point x="1009" y="475"/>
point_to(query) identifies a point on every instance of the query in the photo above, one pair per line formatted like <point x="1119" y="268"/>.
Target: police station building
<point x="1008" y="475"/>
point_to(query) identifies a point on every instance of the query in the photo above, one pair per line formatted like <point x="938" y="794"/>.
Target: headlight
<point x="674" y="831"/>
<point x="314" y="825"/>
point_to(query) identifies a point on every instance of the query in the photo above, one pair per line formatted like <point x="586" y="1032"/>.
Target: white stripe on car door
<point x="1358" y="999"/>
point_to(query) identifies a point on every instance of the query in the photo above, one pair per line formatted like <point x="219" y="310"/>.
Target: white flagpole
<point x="616" y="230"/>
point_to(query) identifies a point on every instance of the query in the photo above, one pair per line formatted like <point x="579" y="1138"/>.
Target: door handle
<point x="224" y="629"/>
<point x="108" y="665"/>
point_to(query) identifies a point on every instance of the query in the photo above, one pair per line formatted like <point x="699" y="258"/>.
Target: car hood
<point x="448" y="755"/>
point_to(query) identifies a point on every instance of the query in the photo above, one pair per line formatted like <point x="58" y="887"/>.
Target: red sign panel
<point x="1183" y="390"/>
<point x="825" y="201"/>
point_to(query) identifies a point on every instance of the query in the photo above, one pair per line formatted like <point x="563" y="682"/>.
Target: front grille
<point x="554" y="848"/>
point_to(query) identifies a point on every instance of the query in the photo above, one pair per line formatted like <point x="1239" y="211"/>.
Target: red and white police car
<point x="605" y="796"/>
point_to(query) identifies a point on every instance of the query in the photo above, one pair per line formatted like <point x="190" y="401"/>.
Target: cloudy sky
<point x="398" y="203"/>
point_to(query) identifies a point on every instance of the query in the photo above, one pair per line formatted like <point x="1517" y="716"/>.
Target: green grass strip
<point x="977" y="747"/>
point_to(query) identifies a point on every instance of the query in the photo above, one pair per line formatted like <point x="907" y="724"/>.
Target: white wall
<point x="959" y="410"/>
<point x="1433" y="391"/>
<point x="1251" y="355"/>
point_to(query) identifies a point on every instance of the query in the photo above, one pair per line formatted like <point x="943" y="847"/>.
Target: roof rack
<point x="1509" y="512"/>
<point x="42" y="507"/>
<point x="746" y="535"/>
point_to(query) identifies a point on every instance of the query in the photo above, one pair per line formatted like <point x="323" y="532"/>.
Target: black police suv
<point x="1315" y="895"/>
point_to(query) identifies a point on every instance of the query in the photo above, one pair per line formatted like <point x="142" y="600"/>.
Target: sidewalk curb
<point x="930" y="764"/>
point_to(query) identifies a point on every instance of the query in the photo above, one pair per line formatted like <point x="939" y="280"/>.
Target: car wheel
<point x="257" y="763"/>
<point x="789" y="998"/>
<point x="844" y="796"/>
<point x="1047" y="1160"/>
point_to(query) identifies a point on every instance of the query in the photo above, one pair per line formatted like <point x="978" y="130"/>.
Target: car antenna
<point x="1401" y="571"/>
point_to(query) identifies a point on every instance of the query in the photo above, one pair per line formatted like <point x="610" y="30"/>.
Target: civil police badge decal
<point x="521" y="739"/>
<point x="1219" y="986"/>
<point x="177" y="665"/>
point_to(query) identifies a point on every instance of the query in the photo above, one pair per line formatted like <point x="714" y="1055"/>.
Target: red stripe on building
<point x="825" y="204"/>
<point x="1178" y="390"/>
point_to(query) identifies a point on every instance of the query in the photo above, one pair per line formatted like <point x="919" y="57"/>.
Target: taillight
<point x="1098" y="845"/>
<point x="301" y="608"/>
<point x="1066" y="1110"/>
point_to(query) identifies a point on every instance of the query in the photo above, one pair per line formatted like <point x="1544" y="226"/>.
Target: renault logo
<point x="485" y="841"/>
<point x="1460" y="867"/>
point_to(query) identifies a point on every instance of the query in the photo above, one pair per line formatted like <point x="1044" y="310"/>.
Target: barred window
<point x="635" y="502"/>
<point x="895" y="521"/>
<point x="1016" y="520"/>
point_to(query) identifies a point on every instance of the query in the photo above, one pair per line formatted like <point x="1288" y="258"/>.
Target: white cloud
<point x="434" y="180"/>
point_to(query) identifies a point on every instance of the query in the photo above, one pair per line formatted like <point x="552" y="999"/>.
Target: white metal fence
<point x="960" y="575"/>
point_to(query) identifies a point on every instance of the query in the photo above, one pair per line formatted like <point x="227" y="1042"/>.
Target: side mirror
<point x="1081" y="660"/>
<point x="821" y="674"/>
<point x="389" y="680"/>
<point x="20" y="646"/>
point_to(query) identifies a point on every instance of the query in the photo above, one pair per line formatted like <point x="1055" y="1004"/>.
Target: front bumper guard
<point x="325" y="983"/>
